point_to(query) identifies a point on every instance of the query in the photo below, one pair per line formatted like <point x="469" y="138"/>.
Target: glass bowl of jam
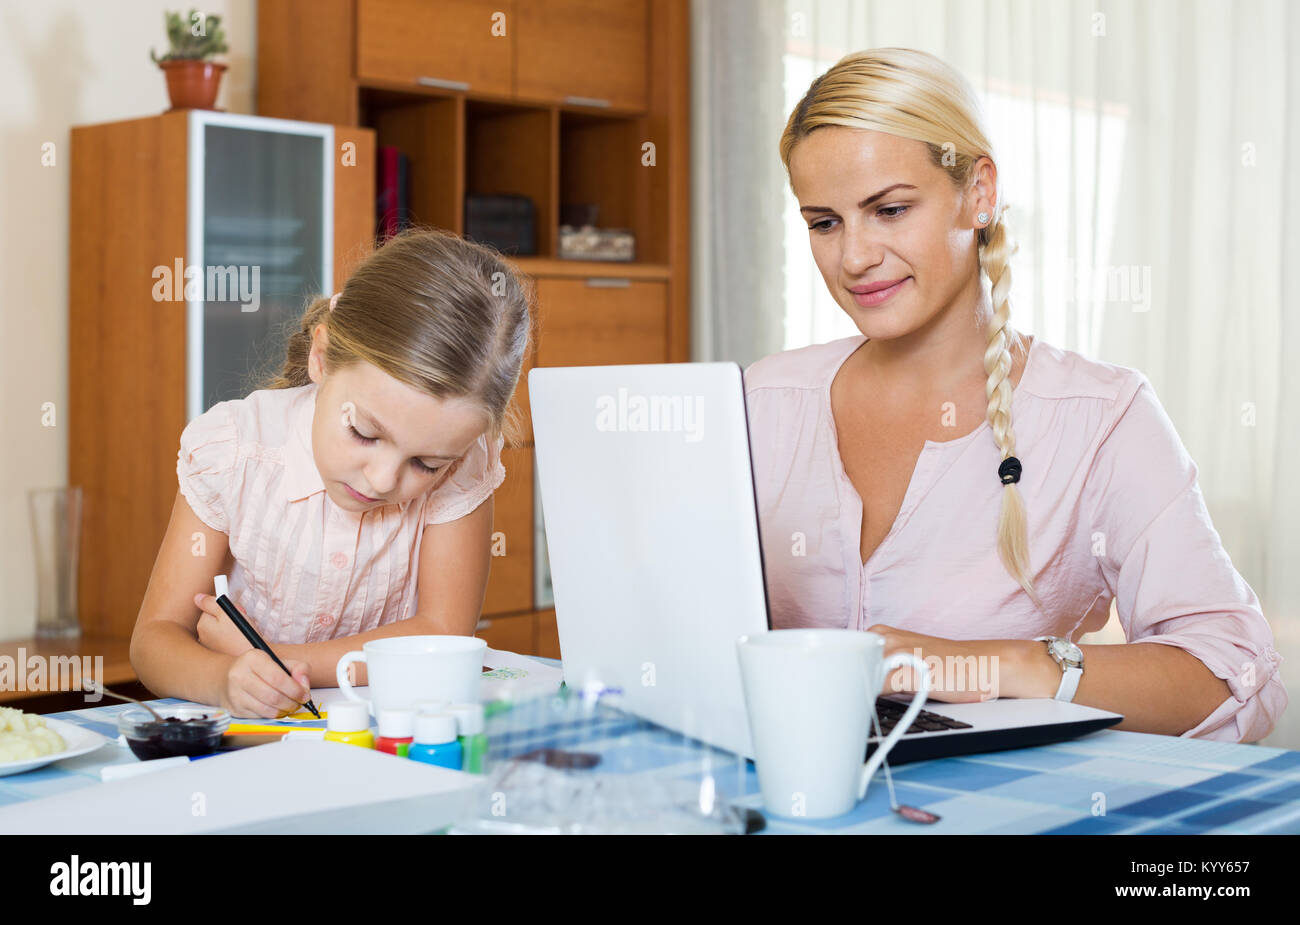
<point x="188" y="731"/>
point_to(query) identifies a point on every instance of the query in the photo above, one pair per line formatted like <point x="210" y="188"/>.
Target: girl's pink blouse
<point x="1114" y="513"/>
<point x="305" y="569"/>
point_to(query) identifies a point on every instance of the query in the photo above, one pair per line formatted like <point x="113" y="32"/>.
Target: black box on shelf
<point x="507" y="221"/>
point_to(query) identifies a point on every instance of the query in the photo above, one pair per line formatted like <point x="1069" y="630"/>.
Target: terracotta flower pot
<point x="192" y="84"/>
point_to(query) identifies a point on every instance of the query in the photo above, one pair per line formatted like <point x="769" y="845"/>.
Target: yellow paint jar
<point x="349" y="723"/>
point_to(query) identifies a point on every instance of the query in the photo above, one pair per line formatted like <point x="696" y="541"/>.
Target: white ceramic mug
<point x="809" y="694"/>
<point x="403" y="670"/>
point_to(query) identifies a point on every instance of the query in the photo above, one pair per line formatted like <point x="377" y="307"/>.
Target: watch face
<point x="1067" y="650"/>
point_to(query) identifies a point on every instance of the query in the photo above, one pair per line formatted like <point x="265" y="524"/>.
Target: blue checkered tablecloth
<point x="1105" y="783"/>
<point x="1108" y="782"/>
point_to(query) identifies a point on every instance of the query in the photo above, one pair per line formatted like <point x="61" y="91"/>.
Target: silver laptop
<point x="656" y="565"/>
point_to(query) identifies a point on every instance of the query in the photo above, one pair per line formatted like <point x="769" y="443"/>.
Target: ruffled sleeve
<point x="1174" y="582"/>
<point x="474" y="477"/>
<point x="206" y="462"/>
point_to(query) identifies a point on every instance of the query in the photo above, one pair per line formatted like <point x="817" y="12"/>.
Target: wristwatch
<point x="1070" y="658"/>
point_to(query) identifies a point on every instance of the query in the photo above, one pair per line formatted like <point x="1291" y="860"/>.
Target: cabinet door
<point x="447" y="43"/>
<point x="548" y="635"/>
<point x="510" y="583"/>
<point x="601" y="321"/>
<point x="266" y="244"/>
<point x="510" y="634"/>
<point x="582" y="51"/>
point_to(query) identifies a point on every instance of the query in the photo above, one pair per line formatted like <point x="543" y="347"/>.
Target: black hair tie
<point x="1009" y="471"/>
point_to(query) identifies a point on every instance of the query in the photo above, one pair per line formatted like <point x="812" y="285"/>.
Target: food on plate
<point x="25" y="735"/>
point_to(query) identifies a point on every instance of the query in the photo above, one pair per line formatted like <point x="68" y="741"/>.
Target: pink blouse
<point x="1113" y="507"/>
<point x="305" y="569"/>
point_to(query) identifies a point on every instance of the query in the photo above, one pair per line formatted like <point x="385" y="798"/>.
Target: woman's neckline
<point x="956" y="441"/>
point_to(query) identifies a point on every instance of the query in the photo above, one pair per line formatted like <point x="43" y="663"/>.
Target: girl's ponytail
<point x="294" y="372"/>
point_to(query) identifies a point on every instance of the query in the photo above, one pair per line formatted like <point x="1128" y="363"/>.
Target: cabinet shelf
<point x="401" y="90"/>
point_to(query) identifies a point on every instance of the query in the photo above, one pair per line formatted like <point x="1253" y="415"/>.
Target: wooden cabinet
<point x="510" y="583"/>
<point x="578" y="53"/>
<point x="438" y="43"/>
<point x="601" y="321"/>
<point x="575" y="52"/>
<point x="582" y="52"/>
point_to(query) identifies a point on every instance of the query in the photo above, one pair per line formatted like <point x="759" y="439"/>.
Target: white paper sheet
<point x="517" y="677"/>
<point x="293" y="787"/>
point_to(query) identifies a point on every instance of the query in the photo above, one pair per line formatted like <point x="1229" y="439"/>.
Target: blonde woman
<point x="966" y="491"/>
<point x="350" y="498"/>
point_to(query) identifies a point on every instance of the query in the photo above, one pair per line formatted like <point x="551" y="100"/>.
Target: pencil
<point x="253" y="638"/>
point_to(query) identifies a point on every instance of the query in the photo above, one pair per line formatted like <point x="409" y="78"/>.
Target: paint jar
<point x="349" y="722"/>
<point x="435" y="741"/>
<point x="396" y="731"/>
<point x="470" y="726"/>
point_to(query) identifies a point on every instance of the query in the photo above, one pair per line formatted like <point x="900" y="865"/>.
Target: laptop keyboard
<point x="891" y="711"/>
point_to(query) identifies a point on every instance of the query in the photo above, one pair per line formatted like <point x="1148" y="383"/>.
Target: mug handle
<point x="341" y="675"/>
<point x="897" y="660"/>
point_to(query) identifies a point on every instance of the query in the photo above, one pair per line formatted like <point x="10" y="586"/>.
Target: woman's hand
<point x="961" y="671"/>
<point x="256" y="687"/>
<point x="217" y="631"/>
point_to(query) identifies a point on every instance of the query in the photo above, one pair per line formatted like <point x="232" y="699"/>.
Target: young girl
<point x="899" y="493"/>
<point x="350" y="499"/>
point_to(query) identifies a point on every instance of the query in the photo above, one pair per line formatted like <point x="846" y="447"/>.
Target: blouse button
<point x="339" y="559"/>
<point x="325" y="619"/>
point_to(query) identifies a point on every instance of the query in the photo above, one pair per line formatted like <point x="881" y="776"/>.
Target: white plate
<point x="79" y="739"/>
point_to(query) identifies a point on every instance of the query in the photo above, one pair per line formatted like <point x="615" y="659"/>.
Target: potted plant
<point x="192" y="80"/>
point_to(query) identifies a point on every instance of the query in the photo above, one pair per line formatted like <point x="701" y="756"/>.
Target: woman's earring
<point x="983" y="217"/>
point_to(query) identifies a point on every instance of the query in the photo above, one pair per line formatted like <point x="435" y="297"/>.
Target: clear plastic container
<point x="569" y="764"/>
<point x="189" y="731"/>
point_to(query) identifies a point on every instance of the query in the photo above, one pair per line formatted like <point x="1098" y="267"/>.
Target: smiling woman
<point x="905" y="261"/>
<point x="898" y="492"/>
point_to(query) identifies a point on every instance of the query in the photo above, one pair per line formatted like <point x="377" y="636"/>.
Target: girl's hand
<point x="256" y="687"/>
<point x="216" y="631"/>
<point x="967" y="666"/>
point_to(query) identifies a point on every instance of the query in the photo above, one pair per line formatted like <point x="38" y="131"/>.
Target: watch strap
<point x="1070" y="675"/>
<point x="1069" y="684"/>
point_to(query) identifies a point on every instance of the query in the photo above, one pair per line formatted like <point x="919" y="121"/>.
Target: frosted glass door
<point x="266" y="228"/>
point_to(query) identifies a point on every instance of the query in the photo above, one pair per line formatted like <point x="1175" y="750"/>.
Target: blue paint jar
<point x="435" y="741"/>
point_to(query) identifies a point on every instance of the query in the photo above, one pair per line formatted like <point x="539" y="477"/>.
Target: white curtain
<point x="1143" y="149"/>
